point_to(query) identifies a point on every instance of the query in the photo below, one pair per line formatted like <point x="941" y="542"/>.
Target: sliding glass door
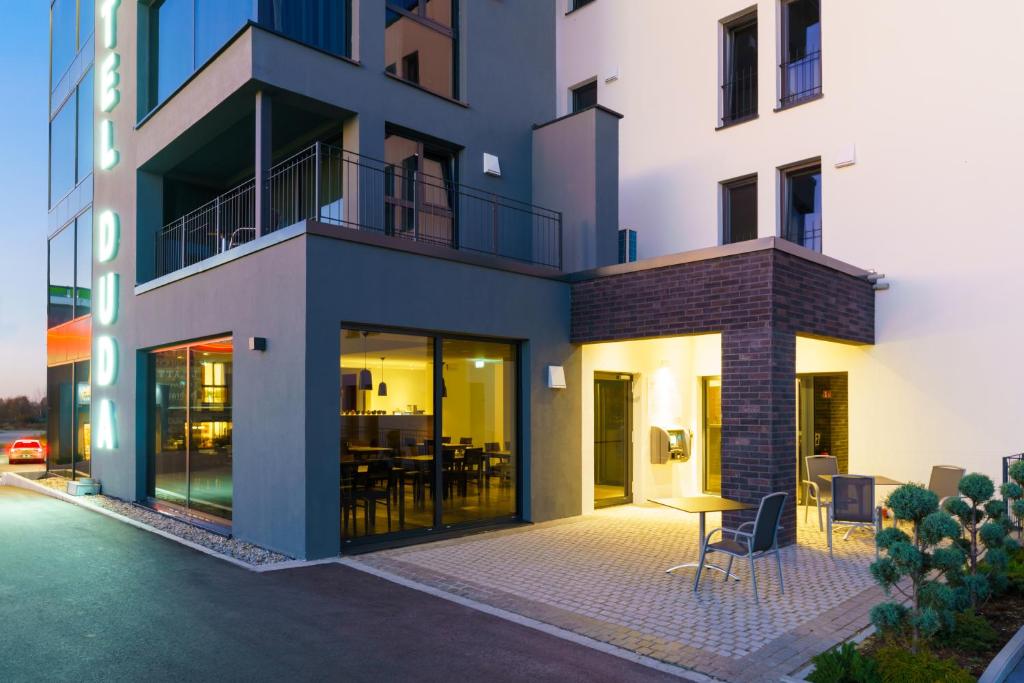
<point x="190" y="438"/>
<point x="405" y="466"/>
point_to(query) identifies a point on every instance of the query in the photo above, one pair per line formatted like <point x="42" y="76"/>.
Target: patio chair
<point x="853" y="506"/>
<point x="817" y="488"/>
<point x="760" y="540"/>
<point x="945" y="481"/>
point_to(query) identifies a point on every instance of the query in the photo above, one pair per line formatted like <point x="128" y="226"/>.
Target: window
<point x="627" y="245"/>
<point x="421" y="36"/>
<point x="397" y="472"/>
<point x="190" y="456"/>
<point x="62" y="151"/>
<point x="62" y="38"/>
<point x="61" y="285"/>
<point x="86" y="21"/>
<point x="739" y="210"/>
<point x="321" y="23"/>
<point x="85" y="127"/>
<point x="739" y="72"/>
<point x="183" y="35"/>
<point x="584" y="96"/>
<point x="419" y="190"/>
<point x="712" y="474"/>
<point x="801" y="51"/>
<point x="69" y="286"/>
<point x="576" y="4"/>
<point x="801" y="206"/>
<point x="83" y="264"/>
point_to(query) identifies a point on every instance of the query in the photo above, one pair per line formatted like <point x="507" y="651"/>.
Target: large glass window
<point x="83" y="424"/>
<point x="83" y="264"/>
<point x="419" y="189"/>
<point x="420" y="43"/>
<point x="86" y="21"/>
<point x="61" y="286"/>
<point x="801" y="51"/>
<point x="320" y="23"/>
<point x="84" y="126"/>
<point x="739" y="73"/>
<point x="62" y="151"/>
<point x="397" y="472"/>
<point x="190" y="439"/>
<point x="62" y="38"/>
<point x="739" y="210"/>
<point x="802" y="206"/>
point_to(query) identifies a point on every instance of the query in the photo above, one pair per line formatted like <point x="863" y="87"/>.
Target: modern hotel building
<point x="326" y="274"/>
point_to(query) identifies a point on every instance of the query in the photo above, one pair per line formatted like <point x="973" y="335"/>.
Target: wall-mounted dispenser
<point x="669" y="444"/>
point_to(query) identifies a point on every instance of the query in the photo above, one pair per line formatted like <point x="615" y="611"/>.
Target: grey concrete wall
<point x="368" y="285"/>
<point x="576" y="171"/>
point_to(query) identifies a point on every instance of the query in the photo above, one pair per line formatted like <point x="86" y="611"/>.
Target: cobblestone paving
<point x="603" y="576"/>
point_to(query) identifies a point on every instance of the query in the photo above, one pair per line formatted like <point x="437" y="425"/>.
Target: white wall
<point x="929" y="93"/>
<point x="666" y="393"/>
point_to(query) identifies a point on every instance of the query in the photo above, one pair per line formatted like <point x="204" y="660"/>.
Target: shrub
<point x="1013" y="491"/>
<point x="920" y="560"/>
<point x="844" y="664"/>
<point x="984" y="523"/>
<point x="899" y="665"/>
<point x="971" y="633"/>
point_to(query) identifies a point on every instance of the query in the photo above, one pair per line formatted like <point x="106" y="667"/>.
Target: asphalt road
<point x="86" y="598"/>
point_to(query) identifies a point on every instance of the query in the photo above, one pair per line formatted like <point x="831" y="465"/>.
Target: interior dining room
<point x="406" y="468"/>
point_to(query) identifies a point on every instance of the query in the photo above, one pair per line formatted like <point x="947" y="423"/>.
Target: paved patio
<point x="602" y="576"/>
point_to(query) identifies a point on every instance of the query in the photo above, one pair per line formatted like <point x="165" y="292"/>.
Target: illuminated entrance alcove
<point x="632" y="387"/>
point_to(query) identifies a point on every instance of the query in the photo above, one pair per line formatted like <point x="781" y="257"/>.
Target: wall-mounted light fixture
<point x="556" y="377"/>
<point x="492" y="165"/>
<point x="257" y="343"/>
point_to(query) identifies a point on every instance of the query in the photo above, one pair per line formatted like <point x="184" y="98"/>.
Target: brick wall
<point x="758" y="301"/>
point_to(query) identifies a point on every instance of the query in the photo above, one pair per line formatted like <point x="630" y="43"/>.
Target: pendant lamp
<point x="382" y="388"/>
<point x="365" y="378"/>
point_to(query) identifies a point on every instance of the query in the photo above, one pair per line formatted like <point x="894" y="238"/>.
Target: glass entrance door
<point x="712" y="470"/>
<point x="822" y="420"/>
<point x="613" y="439"/>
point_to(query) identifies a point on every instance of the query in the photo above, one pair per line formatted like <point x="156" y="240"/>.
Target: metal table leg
<point x="707" y="565"/>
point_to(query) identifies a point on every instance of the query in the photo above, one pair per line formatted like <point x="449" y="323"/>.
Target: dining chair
<point x="853" y="506"/>
<point x="816" y="487"/>
<point x="945" y="481"/>
<point x="760" y="541"/>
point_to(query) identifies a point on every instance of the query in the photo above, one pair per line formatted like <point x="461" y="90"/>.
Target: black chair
<point x="853" y="506"/>
<point x="760" y="541"/>
<point x="373" y="484"/>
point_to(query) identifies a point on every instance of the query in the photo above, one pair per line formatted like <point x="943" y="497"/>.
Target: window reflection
<point x="320" y="23"/>
<point x="61" y="286"/>
<point x="85" y="120"/>
<point x="83" y="264"/>
<point x="418" y="190"/>
<point x="803" y="207"/>
<point x="62" y="151"/>
<point x="419" y="43"/>
<point x="60" y="426"/>
<point x="62" y="38"/>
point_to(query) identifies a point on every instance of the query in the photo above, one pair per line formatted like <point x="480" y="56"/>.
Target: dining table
<point x="880" y="479"/>
<point x="701" y="505"/>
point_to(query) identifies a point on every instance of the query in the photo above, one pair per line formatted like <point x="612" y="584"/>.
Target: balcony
<point x="338" y="187"/>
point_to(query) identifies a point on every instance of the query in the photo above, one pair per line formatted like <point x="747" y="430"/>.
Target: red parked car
<point x="26" y="450"/>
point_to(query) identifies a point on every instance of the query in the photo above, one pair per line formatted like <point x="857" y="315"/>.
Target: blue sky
<point x="24" y="43"/>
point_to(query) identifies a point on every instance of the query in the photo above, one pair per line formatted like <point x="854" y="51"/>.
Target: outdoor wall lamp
<point x="556" y="377"/>
<point x="257" y="343"/>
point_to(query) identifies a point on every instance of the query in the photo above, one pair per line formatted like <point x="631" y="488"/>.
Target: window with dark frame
<point x="800" y="70"/>
<point x="801" y="205"/>
<point x="584" y="96"/>
<point x="739" y="210"/>
<point x="421" y="35"/>
<point x="576" y="4"/>
<point x="739" y="72"/>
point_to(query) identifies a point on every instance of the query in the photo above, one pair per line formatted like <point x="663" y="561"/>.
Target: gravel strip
<point x="246" y="552"/>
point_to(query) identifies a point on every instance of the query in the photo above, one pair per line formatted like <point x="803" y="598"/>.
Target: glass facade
<point x="63" y="34"/>
<point x="69" y="287"/>
<point x="68" y="435"/>
<point x="71" y="141"/>
<point x="184" y="34"/>
<point x="190" y="454"/>
<point x="402" y="466"/>
<point x="420" y="43"/>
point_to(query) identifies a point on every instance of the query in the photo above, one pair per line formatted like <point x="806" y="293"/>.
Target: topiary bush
<point x="844" y="664"/>
<point x="921" y="560"/>
<point x="898" y="665"/>
<point x="984" y="525"/>
<point x="1013" y="493"/>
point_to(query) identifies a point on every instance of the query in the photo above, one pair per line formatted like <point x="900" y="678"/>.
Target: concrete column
<point x="759" y="421"/>
<point x="264" y="159"/>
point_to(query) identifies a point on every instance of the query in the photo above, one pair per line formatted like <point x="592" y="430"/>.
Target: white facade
<point x="928" y="96"/>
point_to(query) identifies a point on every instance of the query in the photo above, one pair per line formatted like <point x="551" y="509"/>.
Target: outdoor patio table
<point x="701" y="505"/>
<point x="879" y="479"/>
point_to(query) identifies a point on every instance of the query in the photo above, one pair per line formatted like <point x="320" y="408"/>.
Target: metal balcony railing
<point x="801" y="78"/>
<point x="335" y="186"/>
<point x="739" y="96"/>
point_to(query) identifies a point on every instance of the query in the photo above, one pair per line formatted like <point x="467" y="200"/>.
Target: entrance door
<point x="613" y="439"/>
<point x="712" y="470"/>
<point x="822" y="420"/>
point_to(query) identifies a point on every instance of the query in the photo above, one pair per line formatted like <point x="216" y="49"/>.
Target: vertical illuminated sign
<point x="108" y="237"/>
